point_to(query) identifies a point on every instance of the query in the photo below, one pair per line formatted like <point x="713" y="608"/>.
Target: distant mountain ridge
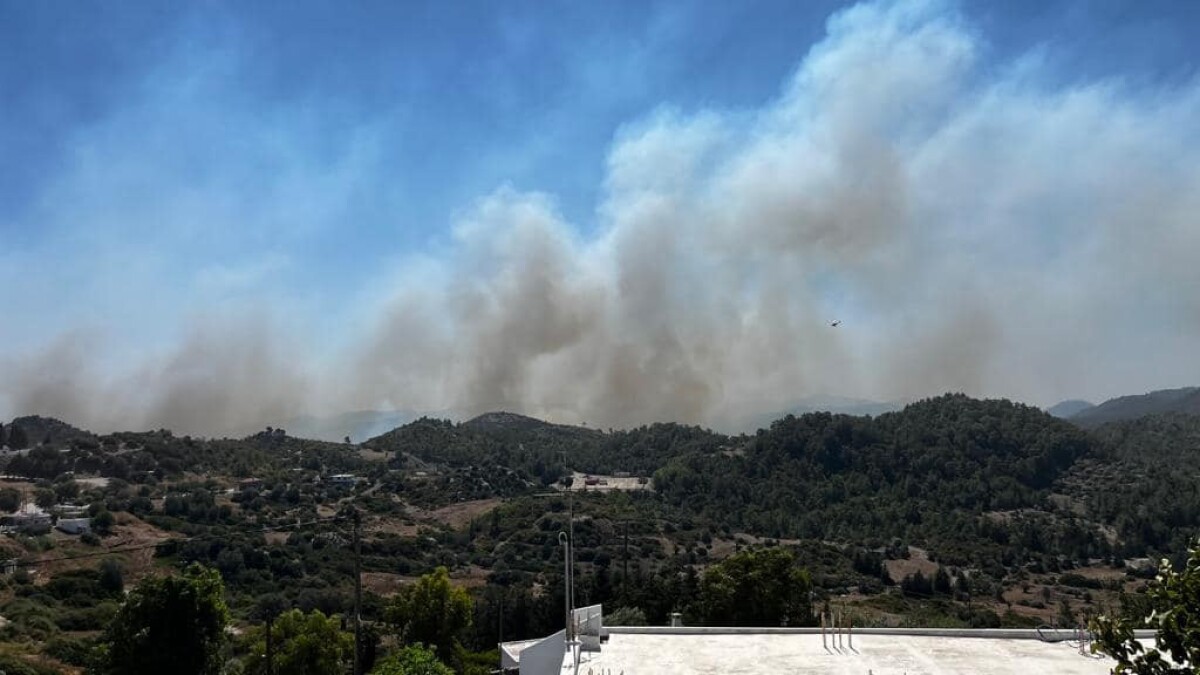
<point x="358" y="425"/>
<point x="1069" y="408"/>
<point x="1185" y="400"/>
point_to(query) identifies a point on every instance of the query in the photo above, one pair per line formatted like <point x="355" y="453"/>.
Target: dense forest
<point x="952" y="511"/>
<point x="948" y="473"/>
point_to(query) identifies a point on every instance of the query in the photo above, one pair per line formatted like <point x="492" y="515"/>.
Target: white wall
<point x="545" y="657"/>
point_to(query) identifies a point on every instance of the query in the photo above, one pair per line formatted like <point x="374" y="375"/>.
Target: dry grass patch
<point x="917" y="561"/>
<point x="460" y="514"/>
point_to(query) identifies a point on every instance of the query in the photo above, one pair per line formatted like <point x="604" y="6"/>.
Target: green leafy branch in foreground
<point x="1174" y="598"/>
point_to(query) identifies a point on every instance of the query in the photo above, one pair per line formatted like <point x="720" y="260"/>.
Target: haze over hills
<point x="844" y="405"/>
<point x="357" y="425"/>
<point x="360" y="425"/>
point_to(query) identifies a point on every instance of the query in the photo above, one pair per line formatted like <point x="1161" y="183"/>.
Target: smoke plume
<point x="974" y="229"/>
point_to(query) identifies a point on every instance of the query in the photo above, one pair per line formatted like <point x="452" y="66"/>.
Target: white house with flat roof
<point x="682" y="650"/>
<point x="74" y="525"/>
<point x="71" y="510"/>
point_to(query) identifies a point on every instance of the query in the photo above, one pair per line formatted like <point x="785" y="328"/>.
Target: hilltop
<point x="506" y="421"/>
<point x="1185" y="400"/>
<point x="24" y="432"/>
<point x="1070" y="408"/>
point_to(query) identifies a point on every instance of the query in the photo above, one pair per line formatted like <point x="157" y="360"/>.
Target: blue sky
<point x="164" y="166"/>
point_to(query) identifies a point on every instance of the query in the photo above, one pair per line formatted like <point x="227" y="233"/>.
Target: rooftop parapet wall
<point x="1049" y="635"/>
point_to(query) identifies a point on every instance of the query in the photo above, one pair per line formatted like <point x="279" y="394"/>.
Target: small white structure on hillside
<point x="347" y="479"/>
<point x="74" y="525"/>
<point x="31" y="519"/>
<point x="70" y="510"/>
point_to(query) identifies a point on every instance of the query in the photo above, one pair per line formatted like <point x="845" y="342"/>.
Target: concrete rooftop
<point x="795" y="654"/>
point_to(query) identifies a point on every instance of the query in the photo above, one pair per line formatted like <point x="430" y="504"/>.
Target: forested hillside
<point x="948" y="473"/>
<point x="1146" y="484"/>
<point x="544" y="451"/>
<point x="1165" y="401"/>
<point x="952" y="511"/>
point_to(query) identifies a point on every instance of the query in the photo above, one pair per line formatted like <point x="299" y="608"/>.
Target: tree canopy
<point x="756" y="588"/>
<point x="432" y="611"/>
<point x="304" y="644"/>
<point x="412" y="660"/>
<point x="170" y="624"/>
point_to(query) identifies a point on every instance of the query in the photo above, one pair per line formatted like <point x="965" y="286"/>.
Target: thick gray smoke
<point x="975" y="230"/>
<point x="223" y="378"/>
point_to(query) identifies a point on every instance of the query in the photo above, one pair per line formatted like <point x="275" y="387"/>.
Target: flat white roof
<point x="797" y="654"/>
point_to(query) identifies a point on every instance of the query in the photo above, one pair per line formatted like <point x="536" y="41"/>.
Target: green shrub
<point x="32" y="617"/>
<point x="38" y="627"/>
<point x="1079" y="581"/>
<point x="626" y="616"/>
<point x="11" y="664"/>
<point x="102" y="523"/>
<point x="78" y="588"/>
<point x="96" y="617"/>
<point x="72" y="651"/>
<point x="412" y="660"/>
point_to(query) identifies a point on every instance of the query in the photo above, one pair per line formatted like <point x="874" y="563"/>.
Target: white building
<point x="682" y="650"/>
<point x="74" y="525"/>
<point x="70" y="511"/>
<point x="31" y="519"/>
<point x="346" y="479"/>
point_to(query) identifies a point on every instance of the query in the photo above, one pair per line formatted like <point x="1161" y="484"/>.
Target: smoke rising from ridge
<point x="975" y="230"/>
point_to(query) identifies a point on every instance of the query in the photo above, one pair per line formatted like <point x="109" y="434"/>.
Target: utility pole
<point x="566" y="543"/>
<point x="270" y="646"/>
<point x="625" y="572"/>
<point x="571" y="547"/>
<point x="570" y="552"/>
<point x="357" y="594"/>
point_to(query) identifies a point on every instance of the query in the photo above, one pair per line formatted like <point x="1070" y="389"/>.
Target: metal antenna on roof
<point x="566" y="544"/>
<point x="571" y="539"/>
